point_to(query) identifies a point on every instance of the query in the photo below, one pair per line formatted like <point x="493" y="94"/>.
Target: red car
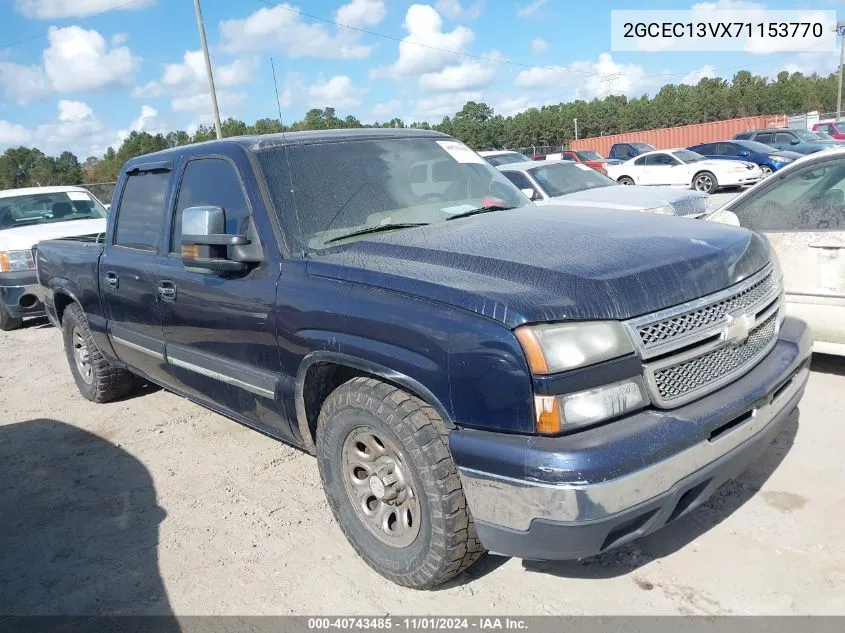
<point x="835" y="128"/>
<point x="590" y="157"/>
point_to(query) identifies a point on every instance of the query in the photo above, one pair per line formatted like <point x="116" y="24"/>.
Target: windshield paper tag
<point x="584" y="167"/>
<point x="461" y="208"/>
<point x="78" y="196"/>
<point x="460" y="152"/>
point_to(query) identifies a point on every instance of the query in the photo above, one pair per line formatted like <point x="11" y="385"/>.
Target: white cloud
<point x="694" y="76"/>
<point x="227" y="102"/>
<point x="433" y="109"/>
<point x="338" y="91"/>
<point x="78" y="60"/>
<point x="515" y="105"/>
<point x="463" y="77"/>
<point x="808" y="63"/>
<point x="539" y="45"/>
<point x="52" y="9"/>
<point x="386" y="110"/>
<point x="425" y="26"/>
<point x="531" y="9"/>
<point x="13" y="134"/>
<point x="455" y="10"/>
<point x="361" y="13"/>
<point x="188" y="76"/>
<point x="588" y="79"/>
<point x="282" y="28"/>
<point x="23" y="84"/>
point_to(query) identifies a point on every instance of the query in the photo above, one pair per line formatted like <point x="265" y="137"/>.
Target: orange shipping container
<point x="683" y="136"/>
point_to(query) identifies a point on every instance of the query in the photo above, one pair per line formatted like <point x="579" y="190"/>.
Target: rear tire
<point x="7" y="321"/>
<point x="392" y="485"/>
<point x="705" y="181"/>
<point x="626" y="180"/>
<point x="96" y="378"/>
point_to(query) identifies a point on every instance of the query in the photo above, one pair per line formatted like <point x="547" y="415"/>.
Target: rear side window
<point x="141" y="209"/>
<point x="728" y="149"/>
<point x="519" y="179"/>
<point x="765" y="137"/>
<point x="211" y="182"/>
<point x="744" y="136"/>
<point x="706" y="148"/>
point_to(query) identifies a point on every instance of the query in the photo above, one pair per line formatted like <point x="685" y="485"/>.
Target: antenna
<point x="276" y="88"/>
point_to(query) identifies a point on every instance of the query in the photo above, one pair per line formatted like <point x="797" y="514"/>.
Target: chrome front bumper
<point x="589" y="486"/>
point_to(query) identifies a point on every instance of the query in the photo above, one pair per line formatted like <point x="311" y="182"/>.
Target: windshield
<point x="643" y="147"/>
<point x="324" y="191"/>
<point x="48" y="208"/>
<point x="589" y="155"/>
<point x="825" y="136"/>
<point x="686" y="156"/>
<point x="506" y="159"/>
<point x="807" y="136"/>
<point x="559" y="179"/>
<point x="754" y="146"/>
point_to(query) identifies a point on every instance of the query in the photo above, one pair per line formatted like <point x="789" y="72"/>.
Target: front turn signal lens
<point x="547" y="412"/>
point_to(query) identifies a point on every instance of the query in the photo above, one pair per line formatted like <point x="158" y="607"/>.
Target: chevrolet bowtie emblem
<point x="738" y="328"/>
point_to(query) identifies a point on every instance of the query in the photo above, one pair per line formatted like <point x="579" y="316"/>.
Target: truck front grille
<point x="678" y="380"/>
<point x="690" y="205"/>
<point x="696" y="348"/>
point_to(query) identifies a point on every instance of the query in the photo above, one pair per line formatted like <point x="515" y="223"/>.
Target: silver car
<point x="577" y="185"/>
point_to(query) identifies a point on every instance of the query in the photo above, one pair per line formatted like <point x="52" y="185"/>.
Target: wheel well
<point x="61" y="301"/>
<point x="322" y="378"/>
<point x="623" y="176"/>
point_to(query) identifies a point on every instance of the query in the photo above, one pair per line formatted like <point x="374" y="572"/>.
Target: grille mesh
<point x="689" y="205"/>
<point x="654" y="334"/>
<point x="678" y="380"/>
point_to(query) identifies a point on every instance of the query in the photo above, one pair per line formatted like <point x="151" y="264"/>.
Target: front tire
<point x="626" y="180"/>
<point x="96" y="378"/>
<point x="392" y="485"/>
<point x="767" y="171"/>
<point x="7" y="321"/>
<point x="705" y="181"/>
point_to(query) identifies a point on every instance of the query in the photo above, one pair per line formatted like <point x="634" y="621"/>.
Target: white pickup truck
<point x="28" y="216"/>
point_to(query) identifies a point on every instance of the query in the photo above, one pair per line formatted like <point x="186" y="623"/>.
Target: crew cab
<point x="471" y="371"/>
<point x="28" y="216"/>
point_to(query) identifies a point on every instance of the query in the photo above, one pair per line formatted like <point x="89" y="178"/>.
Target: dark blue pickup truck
<point x="472" y="372"/>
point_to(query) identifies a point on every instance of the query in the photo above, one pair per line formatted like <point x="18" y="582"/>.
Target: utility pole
<point x="840" y="28"/>
<point x="216" y="112"/>
<point x="576" y="128"/>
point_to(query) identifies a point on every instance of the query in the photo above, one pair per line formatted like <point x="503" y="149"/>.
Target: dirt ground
<point x="154" y="505"/>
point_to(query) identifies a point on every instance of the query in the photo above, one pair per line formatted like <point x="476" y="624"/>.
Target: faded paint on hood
<point x="632" y="197"/>
<point x="537" y="264"/>
<point x="25" y="237"/>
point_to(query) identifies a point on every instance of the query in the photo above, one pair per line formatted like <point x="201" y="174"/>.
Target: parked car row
<point x="472" y="371"/>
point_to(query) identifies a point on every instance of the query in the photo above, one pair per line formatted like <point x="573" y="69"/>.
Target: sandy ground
<point x="155" y="505"/>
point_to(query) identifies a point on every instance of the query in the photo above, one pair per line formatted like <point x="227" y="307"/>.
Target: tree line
<point x="476" y="124"/>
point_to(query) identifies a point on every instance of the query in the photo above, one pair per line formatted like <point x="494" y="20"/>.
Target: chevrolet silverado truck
<point x="28" y="216"/>
<point x="472" y="372"/>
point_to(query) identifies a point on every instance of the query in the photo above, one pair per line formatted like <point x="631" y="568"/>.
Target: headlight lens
<point x="780" y="159"/>
<point x="555" y="347"/>
<point x="555" y="414"/>
<point x="11" y="261"/>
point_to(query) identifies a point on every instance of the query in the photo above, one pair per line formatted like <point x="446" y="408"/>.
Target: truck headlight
<point x="11" y="261"/>
<point x="556" y="414"/>
<point x="555" y="347"/>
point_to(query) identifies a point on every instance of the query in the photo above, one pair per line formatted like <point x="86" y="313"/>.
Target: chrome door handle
<point x="112" y="279"/>
<point x="167" y="291"/>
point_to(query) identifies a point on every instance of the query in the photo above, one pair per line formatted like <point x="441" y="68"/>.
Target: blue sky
<point x="80" y="74"/>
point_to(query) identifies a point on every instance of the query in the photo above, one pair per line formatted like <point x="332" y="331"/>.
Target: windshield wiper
<point x="488" y="209"/>
<point x="376" y="229"/>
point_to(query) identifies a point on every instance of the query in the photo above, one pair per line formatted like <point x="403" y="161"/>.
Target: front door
<point x="220" y="327"/>
<point x="129" y="274"/>
<point x="803" y="215"/>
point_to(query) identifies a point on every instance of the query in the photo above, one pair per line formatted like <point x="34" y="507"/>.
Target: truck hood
<point x="25" y="237"/>
<point x="552" y="263"/>
<point x="631" y="198"/>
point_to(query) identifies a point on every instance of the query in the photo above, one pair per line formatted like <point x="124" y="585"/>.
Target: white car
<point x="567" y="183"/>
<point x="681" y="167"/>
<point x="28" y="216"/>
<point x="802" y="213"/>
<point x="502" y="157"/>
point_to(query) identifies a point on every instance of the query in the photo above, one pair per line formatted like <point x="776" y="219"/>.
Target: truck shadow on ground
<point x="38" y="323"/>
<point x="80" y="526"/>
<point x="683" y="531"/>
<point x="828" y="364"/>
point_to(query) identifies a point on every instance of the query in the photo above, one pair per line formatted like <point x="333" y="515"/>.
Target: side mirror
<point x="530" y="193"/>
<point x="107" y="206"/>
<point x="794" y="141"/>
<point x="205" y="244"/>
<point x="745" y="152"/>
<point x="725" y="217"/>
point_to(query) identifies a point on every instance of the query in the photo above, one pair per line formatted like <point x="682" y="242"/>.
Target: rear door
<point x="220" y="327"/>
<point x="803" y="215"/>
<point x="129" y="271"/>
